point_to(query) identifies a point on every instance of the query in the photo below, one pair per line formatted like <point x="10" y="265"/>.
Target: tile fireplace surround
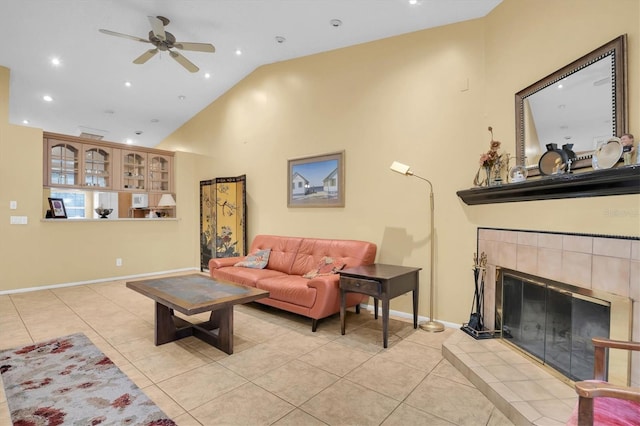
<point x="607" y="263"/>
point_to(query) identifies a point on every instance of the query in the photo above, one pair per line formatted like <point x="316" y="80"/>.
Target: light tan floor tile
<point x="186" y="420"/>
<point x="347" y="403"/>
<point x="529" y="390"/>
<point x="407" y="415"/>
<point x="199" y="386"/>
<point x="498" y="419"/>
<point x="335" y="358"/>
<point x="296" y="381"/>
<point x="135" y="375"/>
<point x="387" y="377"/>
<point x="447" y="370"/>
<point x="161" y="366"/>
<point x="553" y="409"/>
<point x="450" y="400"/>
<point x="245" y="405"/>
<point x="163" y="401"/>
<point x="414" y="355"/>
<point x="5" y="417"/>
<point x="298" y="418"/>
<point x="255" y="361"/>
<point x="433" y="340"/>
<point x="297" y="343"/>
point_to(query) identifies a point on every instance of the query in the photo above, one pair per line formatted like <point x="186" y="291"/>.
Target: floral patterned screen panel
<point x="223" y="210"/>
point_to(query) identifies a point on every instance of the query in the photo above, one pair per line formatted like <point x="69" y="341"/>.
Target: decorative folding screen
<point x="223" y="212"/>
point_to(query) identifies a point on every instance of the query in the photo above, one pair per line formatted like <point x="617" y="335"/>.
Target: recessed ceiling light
<point x="127" y="83"/>
<point x="207" y="75"/>
<point x="335" y="22"/>
<point x="55" y="61"/>
<point x="109" y="111"/>
<point x="238" y="52"/>
<point x="280" y="39"/>
<point x="182" y="97"/>
<point x="128" y="141"/>
<point x="47" y="98"/>
<point x="25" y="121"/>
<point x="155" y="120"/>
<point x="413" y="2"/>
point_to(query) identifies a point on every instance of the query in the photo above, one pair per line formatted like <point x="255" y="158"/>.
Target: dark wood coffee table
<point x="194" y="294"/>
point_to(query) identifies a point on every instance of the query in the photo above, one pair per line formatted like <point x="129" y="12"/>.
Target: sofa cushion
<point x="349" y="252"/>
<point x="290" y="288"/>
<point x="243" y="276"/>
<point x="257" y="260"/>
<point x="327" y="266"/>
<point x="283" y="250"/>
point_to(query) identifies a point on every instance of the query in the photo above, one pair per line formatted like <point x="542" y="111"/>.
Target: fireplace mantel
<point x="597" y="183"/>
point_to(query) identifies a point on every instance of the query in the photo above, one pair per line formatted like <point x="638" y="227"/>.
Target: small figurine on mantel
<point x="627" y="148"/>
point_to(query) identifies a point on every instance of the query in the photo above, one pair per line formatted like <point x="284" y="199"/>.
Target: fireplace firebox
<point x="554" y="322"/>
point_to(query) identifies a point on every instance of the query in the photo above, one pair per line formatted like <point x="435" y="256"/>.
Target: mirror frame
<point x="618" y="49"/>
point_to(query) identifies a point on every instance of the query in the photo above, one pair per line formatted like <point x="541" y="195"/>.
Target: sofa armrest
<point x="221" y="262"/>
<point x="325" y="282"/>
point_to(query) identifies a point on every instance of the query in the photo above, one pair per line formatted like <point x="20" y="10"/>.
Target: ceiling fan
<point x="164" y="41"/>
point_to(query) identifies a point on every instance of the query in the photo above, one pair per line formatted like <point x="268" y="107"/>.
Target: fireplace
<point x="554" y="322"/>
<point x="591" y="277"/>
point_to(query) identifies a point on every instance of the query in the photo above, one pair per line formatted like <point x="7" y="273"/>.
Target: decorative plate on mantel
<point x="607" y="155"/>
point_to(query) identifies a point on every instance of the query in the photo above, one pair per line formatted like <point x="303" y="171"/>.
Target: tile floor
<point x="280" y="373"/>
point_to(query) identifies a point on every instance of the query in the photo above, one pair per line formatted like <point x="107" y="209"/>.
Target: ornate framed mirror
<point x="583" y="104"/>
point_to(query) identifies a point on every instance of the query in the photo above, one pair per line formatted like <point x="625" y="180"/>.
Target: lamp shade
<point x="403" y="169"/>
<point x="166" y="201"/>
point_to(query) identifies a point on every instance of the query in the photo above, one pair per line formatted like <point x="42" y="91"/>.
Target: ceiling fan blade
<point x="157" y="27"/>
<point x="183" y="61"/>
<point x="197" y="47"/>
<point x="113" y="33"/>
<point x="145" y="56"/>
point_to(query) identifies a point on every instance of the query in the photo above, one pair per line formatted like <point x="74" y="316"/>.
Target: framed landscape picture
<point x="316" y="181"/>
<point x="57" y="208"/>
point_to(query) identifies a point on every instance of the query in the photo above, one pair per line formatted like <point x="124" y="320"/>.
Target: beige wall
<point x="424" y="99"/>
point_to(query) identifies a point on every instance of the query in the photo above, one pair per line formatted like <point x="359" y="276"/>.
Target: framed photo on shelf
<point x="316" y="181"/>
<point x="57" y="208"/>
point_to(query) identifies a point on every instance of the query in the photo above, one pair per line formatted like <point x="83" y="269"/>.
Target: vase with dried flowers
<point x="492" y="162"/>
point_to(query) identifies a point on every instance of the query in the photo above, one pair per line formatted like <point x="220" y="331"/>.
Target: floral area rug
<point x="69" y="381"/>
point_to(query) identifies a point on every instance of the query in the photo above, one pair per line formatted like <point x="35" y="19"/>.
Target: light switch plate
<point x="13" y="205"/>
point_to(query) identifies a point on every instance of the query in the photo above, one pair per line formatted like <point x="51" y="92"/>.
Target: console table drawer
<point x="360" y="285"/>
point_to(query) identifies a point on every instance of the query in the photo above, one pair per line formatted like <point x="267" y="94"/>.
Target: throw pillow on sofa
<point x="257" y="260"/>
<point x="327" y="266"/>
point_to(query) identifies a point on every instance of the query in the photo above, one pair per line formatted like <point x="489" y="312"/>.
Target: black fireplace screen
<point x="554" y="325"/>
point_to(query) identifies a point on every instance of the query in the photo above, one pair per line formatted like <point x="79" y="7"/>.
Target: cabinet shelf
<point x="618" y="181"/>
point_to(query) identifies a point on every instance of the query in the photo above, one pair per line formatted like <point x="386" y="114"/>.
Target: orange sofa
<point x="291" y="258"/>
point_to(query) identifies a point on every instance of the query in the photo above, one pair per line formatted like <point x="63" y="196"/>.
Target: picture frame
<point x="58" y="210"/>
<point x="316" y="181"/>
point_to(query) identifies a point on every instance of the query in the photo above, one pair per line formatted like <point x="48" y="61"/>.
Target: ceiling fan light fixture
<point x="47" y="98"/>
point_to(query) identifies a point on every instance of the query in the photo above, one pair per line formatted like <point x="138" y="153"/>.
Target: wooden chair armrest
<point x="615" y="344"/>
<point x="595" y="389"/>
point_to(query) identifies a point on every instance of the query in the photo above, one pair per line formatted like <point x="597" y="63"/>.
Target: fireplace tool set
<point x="475" y="327"/>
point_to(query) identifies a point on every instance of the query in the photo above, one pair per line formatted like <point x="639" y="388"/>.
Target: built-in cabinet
<point x="76" y="163"/>
<point x="72" y="164"/>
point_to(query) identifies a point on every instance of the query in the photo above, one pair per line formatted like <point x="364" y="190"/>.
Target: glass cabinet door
<point x="134" y="169"/>
<point x="97" y="167"/>
<point x="159" y="173"/>
<point x="64" y="163"/>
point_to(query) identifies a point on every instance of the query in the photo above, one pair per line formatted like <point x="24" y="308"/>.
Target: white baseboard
<point x="409" y="316"/>
<point x="101" y="280"/>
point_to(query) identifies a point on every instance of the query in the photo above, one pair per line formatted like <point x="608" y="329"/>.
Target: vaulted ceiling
<point x="88" y="86"/>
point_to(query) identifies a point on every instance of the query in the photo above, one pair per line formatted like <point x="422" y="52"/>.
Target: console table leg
<point x="343" y="304"/>
<point x="385" y="321"/>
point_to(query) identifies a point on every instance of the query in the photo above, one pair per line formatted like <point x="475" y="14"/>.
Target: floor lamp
<point x="431" y="325"/>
